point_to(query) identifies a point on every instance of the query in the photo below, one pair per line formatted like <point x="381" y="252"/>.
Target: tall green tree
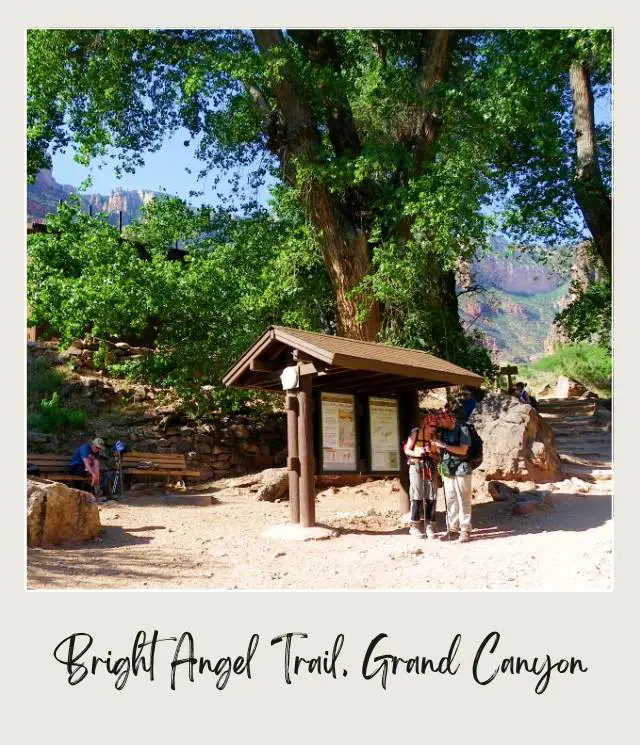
<point x="392" y="143"/>
<point x="198" y="315"/>
<point x="565" y="162"/>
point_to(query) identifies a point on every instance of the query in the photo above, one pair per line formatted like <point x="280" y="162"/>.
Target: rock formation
<point x="518" y="444"/>
<point x="45" y="194"/>
<point x="58" y="514"/>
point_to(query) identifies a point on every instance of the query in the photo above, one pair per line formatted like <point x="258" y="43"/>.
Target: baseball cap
<point x="98" y="442"/>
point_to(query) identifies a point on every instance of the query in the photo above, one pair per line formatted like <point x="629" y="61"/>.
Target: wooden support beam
<point x="307" y="368"/>
<point x="264" y="366"/>
<point x="293" y="461"/>
<point x="305" y="453"/>
<point x="409" y="416"/>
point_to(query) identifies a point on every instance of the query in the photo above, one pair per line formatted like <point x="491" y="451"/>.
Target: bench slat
<point x="163" y="472"/>
<point x="153" y="456"/>
<point x="49" y="459"/>
<point x="173" y="462"/>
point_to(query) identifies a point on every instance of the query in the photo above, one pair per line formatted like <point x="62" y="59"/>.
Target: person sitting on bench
<point x="85" y="461"/>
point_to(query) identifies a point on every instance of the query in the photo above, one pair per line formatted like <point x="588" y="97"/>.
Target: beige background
<point x="601" y="628"/>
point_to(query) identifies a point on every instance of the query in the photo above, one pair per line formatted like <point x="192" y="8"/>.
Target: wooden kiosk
<point x="349" y="404"/>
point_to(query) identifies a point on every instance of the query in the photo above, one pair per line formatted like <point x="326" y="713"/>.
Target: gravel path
<point x="162" y="541"/>
<point x="156" y="542"/>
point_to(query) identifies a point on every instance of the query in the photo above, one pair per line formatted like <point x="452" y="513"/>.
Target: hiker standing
<point x="522" y="395"/>
<point x="454" y="444"/>
<point x="469" y="403"/>
<point x="422" y="488"/>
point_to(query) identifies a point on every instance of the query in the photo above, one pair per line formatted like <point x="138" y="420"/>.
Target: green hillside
<point x="514" y="326"/>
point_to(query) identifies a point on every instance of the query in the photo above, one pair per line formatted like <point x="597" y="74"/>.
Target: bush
<point x="588" y="364"/>
<point x="53" y="417"/>
<point x="42" y="381"/>
<point x="589" y="317"/>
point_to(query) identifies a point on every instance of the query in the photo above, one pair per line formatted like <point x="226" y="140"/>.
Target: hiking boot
<point x="415" y="530"/>
<point x="465" y="536"/>
<point x="450" y="535"/>
<point x="431" y="530"/>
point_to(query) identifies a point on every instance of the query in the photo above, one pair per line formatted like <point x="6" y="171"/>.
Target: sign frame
<point x="378" y="472"/>
<point x="356" y="425"/>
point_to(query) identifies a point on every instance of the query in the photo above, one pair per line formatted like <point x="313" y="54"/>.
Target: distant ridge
<point x="44" y="195"/>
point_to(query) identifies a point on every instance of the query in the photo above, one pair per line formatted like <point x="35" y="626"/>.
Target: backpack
<point x="450" y="464"/>
<point x="474" y="454"/>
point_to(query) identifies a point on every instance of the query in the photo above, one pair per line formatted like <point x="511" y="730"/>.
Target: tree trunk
<point x="344" y="246"/>
<point x="591" y="195"/>
<point x="345" y="251"/>
<point x="447" y="300"/>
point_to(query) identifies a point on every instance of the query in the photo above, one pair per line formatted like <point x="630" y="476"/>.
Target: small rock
<point x="500" y="492"/>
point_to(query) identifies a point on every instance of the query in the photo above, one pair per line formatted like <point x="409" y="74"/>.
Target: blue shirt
<point x="459" y="435"/>
<point x="84" y="451"/>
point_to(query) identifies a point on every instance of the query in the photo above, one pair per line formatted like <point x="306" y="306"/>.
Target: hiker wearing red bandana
<point x="422" y="474"/>
<point x="453" y="444"/>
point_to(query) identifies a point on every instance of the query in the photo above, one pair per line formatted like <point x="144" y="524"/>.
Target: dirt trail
<point x="158" y="541"/>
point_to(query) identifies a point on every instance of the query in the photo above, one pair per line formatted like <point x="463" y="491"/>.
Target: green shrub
<point x="588" y="364"/>
<point x="42" y="381"/>
<point x="589" y="317"/>
<point x="53" y="417"/>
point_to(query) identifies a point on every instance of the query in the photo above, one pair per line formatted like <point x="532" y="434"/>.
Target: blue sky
<point x="164" y="170"/>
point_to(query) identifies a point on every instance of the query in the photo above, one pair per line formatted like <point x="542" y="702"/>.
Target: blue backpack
<point x="474" y="454"/>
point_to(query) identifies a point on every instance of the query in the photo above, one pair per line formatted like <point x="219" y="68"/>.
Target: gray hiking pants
<point x="421" y="489"/>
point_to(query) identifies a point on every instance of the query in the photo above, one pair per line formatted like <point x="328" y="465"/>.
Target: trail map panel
<point x="384" y="434"/>
<point x="338" y="432"/>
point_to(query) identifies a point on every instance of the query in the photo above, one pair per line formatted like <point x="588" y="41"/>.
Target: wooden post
<point x="409" y="416"/>
<point x="509" y="370"/>
<point x="305" y="454"/>
<point x="293" y="462"/>
<point x="120" y="220"/>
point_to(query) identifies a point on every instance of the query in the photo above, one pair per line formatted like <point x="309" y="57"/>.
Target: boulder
<point x="274" y="484"/>
<point x="567" y="388"/>
<point x="518" y="444"/>
<point x="58" y="514"/>
<point x="500" y="492"/>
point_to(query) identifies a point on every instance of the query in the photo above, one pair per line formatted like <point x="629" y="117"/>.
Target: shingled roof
<point x="344" y="365"/>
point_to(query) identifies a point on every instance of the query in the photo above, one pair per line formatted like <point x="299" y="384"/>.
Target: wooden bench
<point x="53" y="467"/>
<point x="156" y="464"/>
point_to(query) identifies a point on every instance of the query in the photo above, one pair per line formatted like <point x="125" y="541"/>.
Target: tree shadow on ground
<point x="116" y="556"/>
<point x="566" y="512"/>
<point x="110" y="536"/>
<point x="345" y="530"/>
<point x="164" y="499"/>
<point x="104" y="567"/>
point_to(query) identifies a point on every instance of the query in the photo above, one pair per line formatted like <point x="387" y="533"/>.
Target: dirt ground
<point x="158" y="541"/>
